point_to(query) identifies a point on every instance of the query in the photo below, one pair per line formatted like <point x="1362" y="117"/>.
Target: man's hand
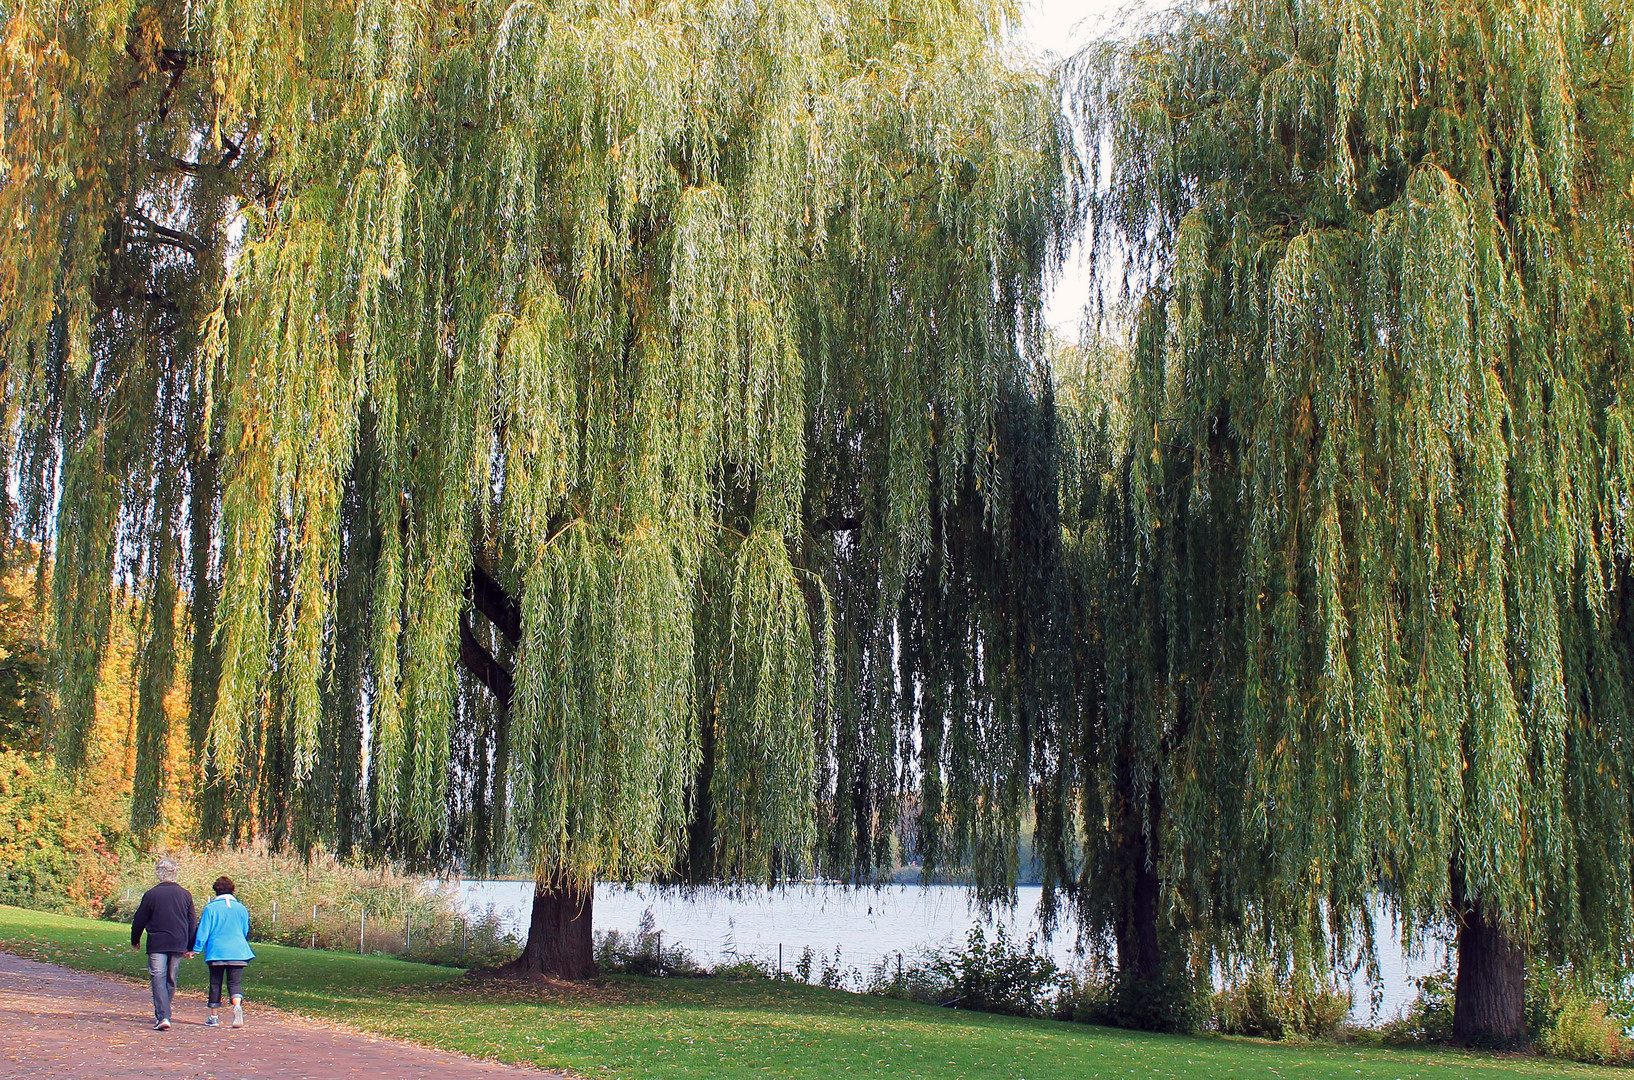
<point x="188" y="954"/>
<point x="135" y="945"/>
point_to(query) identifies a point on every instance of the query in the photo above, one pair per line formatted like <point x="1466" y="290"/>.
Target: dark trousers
<point x="235" y="982"/>
<point x="162" y="969"/>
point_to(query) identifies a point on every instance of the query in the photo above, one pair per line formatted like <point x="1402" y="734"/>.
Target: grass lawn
<point x="715" y="1030"/>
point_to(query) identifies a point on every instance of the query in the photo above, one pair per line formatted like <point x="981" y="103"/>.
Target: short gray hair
<point x="165" y="869"/>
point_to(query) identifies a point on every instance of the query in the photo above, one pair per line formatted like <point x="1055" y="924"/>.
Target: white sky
<point x="1052" y="29"/>
<point x="1063" y="26"/>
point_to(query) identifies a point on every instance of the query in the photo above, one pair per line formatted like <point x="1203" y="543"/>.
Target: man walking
<point x="166" y="913"/>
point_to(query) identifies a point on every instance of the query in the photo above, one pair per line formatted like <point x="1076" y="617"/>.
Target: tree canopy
<point x="535" y="414"/>
<point x="1378" y="262"/>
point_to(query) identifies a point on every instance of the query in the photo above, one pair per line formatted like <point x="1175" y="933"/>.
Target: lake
<point x="862" y="927"/>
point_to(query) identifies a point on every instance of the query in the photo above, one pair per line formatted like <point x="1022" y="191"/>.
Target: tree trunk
<point x="559" y="941"/>
<point x="1140" y="957"/>
<point x="1489" y="1003"/>
<point x="1142" y="991"/>
<point x="1148" y="995"/>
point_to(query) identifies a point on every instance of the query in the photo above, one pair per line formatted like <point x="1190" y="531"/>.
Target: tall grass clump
<point x="323" y="903"/>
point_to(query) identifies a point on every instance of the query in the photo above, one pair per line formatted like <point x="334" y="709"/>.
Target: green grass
<point x="715" y="1030"/>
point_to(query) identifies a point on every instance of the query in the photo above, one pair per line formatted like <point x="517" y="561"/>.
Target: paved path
<point x="57" y="1024"/>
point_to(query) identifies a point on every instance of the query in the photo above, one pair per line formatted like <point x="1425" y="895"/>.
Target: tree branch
<point x="158" y="233"/>
<point x="836" y="523"/>
<point x="489" y="597"/>
<point x="476" y="659"/>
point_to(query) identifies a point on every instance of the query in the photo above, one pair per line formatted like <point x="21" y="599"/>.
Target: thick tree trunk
<point x="1489" y="1005"/>
<point x="1148" y="995"/>
<point x="1140" y="958"/>
<point x="1143" y="992"/>
<point x="559" y="940"/>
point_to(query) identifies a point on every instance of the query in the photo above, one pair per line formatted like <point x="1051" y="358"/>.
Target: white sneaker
<point x="238" y="1015"/>
<point x="161" y="1025"/>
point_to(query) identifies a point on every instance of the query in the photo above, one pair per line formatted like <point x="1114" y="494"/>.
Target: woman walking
<point x="223" y="939"/>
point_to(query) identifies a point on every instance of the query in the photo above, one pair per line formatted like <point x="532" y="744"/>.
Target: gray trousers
<point x="162" y="970"/>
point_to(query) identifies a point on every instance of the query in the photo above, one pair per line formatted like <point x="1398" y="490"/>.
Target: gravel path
<point x="57" y="1024"/>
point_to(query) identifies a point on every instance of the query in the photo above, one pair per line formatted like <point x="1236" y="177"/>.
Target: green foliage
<point x="1577" y="1018"/>
<point x="1566" y="1016"/>
<point x="803" y="966"/>
<point x="1262" y="1003"/>
<point x="1173" y="999"/>
<point x="59" y="849"/>
<point x="1363" y="576"/>
<point x="1579" y="1027"/>
<point x="999" y="976"/>
<point x="643" y="953"/>
<point x="680" y="343"/>
<point x="1428" y="1018"/>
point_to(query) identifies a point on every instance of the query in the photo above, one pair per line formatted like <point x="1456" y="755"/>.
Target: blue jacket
<point x="223" y="931"/>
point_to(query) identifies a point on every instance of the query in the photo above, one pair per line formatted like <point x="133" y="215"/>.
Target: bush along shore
<point x="996" y="973"/>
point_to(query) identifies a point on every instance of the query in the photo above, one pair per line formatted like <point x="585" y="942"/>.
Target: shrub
<point x="642" y="953"/>
<point x="834" y="974"/>
<point x="997" y="976"/>
<point x="1176" y="1002"/>
<point x="802" y="967"/>
<point x="744" y="967"/>
<point x="1581" y="1029"/>
<point x="1264" y="1004"/>
<point x="1085" y="994"/>
<point x="1567" y="1016"/>
<point x="58" y="849"/>
<point x="1576" y="1018"/>
<point x="1428" y="1019"/>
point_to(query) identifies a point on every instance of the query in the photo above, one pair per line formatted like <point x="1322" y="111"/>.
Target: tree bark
<point x="475" y="658"/>
<point x="1489" y="994"/>
<point x="1148" y="996"/>
<point x="559" y="945"/>
<point x="1140" y="958"/>
<point x="1142" y="990"/>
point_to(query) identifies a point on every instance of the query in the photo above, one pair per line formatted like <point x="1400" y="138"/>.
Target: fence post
<point x="408" y="931"/>
<point x="779" y="959"/>
<point x="361" y="916"/>
<point x="275" y="913"/>
<point x="660" y="952"/>
<point x="899" y="969"/>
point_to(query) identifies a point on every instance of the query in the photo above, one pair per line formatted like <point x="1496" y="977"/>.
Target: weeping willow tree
<point x="1378" y="258"/>
<point x="540" y="413"/>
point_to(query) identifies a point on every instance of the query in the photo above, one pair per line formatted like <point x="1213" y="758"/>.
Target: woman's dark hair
<point x="224" y="884"/>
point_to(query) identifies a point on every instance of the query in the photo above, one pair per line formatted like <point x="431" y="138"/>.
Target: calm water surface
<point x="860" y="928"/>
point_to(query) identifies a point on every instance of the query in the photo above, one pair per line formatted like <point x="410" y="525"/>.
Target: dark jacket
<point x="166" y="913"/>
